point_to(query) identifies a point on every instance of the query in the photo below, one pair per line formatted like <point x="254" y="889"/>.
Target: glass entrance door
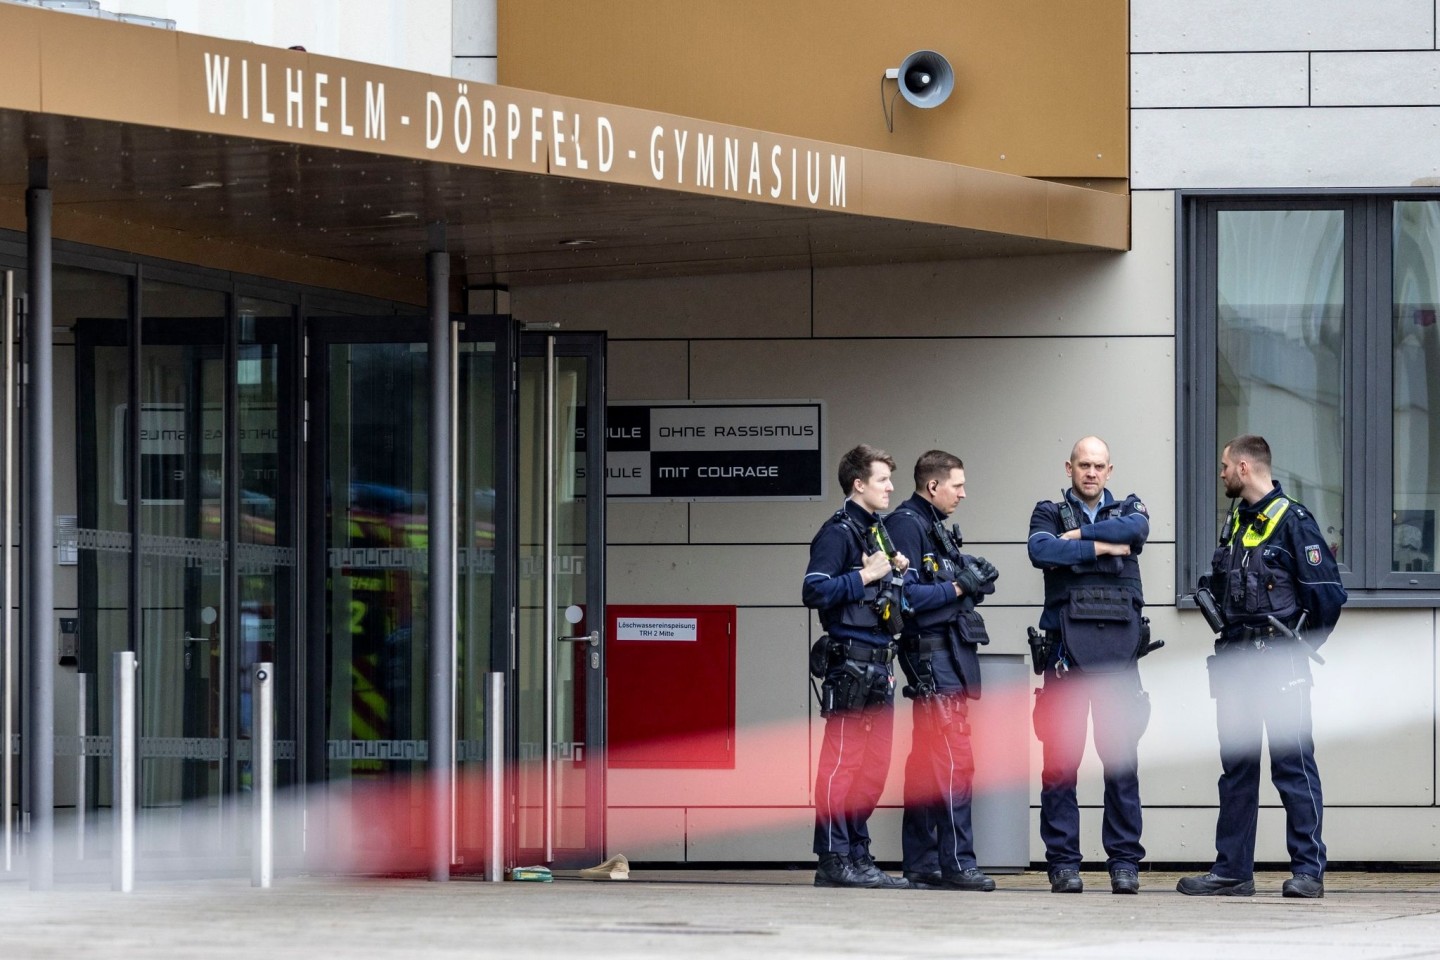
<point x="528" y="587"/>
<point x="560" y="792"/>
<point x="210" y="488"/>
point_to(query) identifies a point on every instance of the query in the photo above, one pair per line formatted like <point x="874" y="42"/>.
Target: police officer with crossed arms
<point x="857" y="590"/>
<point x="1273" y="595"/>
<point x="938" y="644"/>
<point x="1093" y="634"/>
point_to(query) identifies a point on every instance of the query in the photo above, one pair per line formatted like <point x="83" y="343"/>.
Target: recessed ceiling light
<point x="577" y="242"/>
<point x="204" y="185"/>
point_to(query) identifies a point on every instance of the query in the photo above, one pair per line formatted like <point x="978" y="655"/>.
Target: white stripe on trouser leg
<point x="1310" y="792"/>
<point x="950" y="806"/>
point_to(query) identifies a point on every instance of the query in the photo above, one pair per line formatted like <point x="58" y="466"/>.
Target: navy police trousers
<point x="1257" y="691"/>
<point x="1120" y="711"/>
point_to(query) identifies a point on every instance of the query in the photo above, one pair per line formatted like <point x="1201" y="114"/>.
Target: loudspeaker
<point x="926" y="79"/>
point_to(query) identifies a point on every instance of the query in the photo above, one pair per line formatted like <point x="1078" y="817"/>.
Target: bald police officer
<point x="1087" y="544"/>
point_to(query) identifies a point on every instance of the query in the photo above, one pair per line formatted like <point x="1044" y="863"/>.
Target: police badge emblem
<point x="1312" y="554"/>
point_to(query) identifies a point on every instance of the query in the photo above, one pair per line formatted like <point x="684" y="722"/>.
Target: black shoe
<point x="837" y="871"/>
<point x="971" y="878"/>
<point x="865" y="866"/>
<point x="1209" y="885"/>
<point x="925" y="881"/>
<point x="1303" y="886"/>
<point x="1066" y="880"/>
<point x="1124" y="880"/>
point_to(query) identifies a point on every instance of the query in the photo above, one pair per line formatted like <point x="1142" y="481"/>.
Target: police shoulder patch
<point x="1140" y="507"/>
<point x="1312" y="554"/>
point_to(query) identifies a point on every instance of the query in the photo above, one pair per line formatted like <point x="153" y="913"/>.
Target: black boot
<point x="865" y="866"/>
<point x="837" y="871"/>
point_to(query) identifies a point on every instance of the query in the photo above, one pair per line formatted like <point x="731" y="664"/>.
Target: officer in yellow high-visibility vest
<point x="1273" y="594"/>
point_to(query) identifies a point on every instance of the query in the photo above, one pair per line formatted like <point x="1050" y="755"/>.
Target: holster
<point x="820" y="656"/>
<point x="850" y="686"/>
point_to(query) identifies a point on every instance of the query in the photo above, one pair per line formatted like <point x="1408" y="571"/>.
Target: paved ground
<point x="741" y="914"/>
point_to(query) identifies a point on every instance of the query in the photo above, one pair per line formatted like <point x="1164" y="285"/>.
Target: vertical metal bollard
<point x="122" y="765"/>
<point x="262" y="774"/>
<point x="495" y="773"/>
<point x="80" y="791"/>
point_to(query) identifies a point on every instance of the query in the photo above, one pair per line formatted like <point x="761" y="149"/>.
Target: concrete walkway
<point x="740" y="914"/>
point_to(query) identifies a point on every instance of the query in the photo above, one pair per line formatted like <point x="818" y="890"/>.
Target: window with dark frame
<point x="1311" y="319"/>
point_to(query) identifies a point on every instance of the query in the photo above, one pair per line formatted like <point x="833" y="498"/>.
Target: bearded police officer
<point x="938" y="654"/>
<point x="1092" y="633"/>
<point x="856" y="588"/>
<point x="1273" y="595"/>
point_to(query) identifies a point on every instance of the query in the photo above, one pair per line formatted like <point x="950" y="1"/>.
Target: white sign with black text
<point x="739" y="451"/>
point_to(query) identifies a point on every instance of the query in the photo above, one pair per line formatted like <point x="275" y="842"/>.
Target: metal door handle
<point x="592" y="638"/>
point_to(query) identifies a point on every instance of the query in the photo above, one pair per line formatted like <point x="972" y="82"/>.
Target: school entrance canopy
<point x="329" y="171"/>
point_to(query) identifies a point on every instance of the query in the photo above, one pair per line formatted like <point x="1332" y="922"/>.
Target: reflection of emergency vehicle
<point x="375" y="572"/>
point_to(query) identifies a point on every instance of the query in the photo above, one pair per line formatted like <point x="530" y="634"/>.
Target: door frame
<point x="591" y="346"/>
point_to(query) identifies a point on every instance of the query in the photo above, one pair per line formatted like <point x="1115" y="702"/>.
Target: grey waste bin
<point x="1000" y="722"/>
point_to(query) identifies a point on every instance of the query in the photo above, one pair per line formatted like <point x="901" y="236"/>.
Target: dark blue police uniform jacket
<point x="931" y="607"/>
<point x="832" y="581"/>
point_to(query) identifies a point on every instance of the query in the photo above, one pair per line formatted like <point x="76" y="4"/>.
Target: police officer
<point x="1093" y="633"/>
<point x="1273" y="594"/>
<point x="938" y="654"/>
<point x="857" y="590"/>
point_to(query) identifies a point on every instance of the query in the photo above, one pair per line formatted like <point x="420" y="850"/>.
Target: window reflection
<point x="1416" y="385"/>
<point x="1280" y="350"/>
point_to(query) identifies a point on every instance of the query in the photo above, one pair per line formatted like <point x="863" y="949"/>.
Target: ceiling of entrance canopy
<point x="503" y="226"/>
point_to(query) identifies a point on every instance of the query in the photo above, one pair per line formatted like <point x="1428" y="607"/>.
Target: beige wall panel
<point x="1013" y="438"/>
<point x="1215" y="25"/>
<point x="1006" y="625"/>
<point x="647" y="370"/>
<point x="646" y="522"/>
<point x="20" y="67"/>
<point x="1374" y="78"/>
<point x="645" y="833"/>
<point x="1399" y="834"/>
<point x="1220" y="80"/>
<point x="766" y="575"/>
<point x="1323" y="147"/>
<point x="769" y="834"/>
<point x="772" y="304"/>
<point x="1040" y="88"/>
<point x="772" y="746"/>
<point x="776" y="521"/>
<point x="1080" y="294"/>
<point x="1374" y="705"/>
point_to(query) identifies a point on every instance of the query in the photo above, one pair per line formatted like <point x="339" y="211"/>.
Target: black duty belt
<point x="1254" y="633"/>
<point x="1251" y="634"/>
<point x="864" y="652"/>
<point x="926" y="644"/>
